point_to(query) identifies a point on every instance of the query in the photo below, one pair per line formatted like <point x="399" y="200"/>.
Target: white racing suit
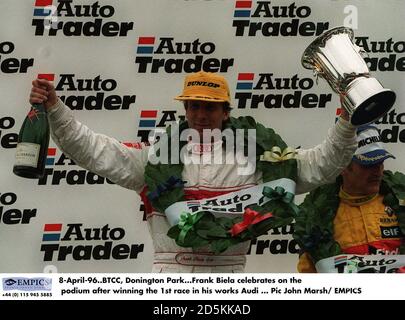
<point x="125" y="166"/>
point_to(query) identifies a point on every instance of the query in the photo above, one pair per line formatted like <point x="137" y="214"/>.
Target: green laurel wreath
<point x="203" y="228"/>
<point x="313" y="229"/>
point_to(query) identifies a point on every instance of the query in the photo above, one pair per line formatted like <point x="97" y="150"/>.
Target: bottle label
<point x="27" y="154"/>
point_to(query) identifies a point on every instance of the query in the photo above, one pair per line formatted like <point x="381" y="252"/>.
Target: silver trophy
<point x="334" y="57"/>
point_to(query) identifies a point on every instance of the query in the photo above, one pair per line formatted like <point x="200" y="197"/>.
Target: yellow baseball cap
<point x="205" y="86"/>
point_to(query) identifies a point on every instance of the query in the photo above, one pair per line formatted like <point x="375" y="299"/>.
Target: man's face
<point x="362" y="180"/>
<point x="205" y="115"/>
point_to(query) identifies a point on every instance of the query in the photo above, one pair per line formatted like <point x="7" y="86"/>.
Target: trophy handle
<point x="317" y="72"/>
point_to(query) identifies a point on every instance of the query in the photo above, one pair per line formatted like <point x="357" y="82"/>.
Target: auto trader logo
<point x="269" y="90"/>
<point x="52" y="232"/>
<point x="74" y="241"/>
<point x="245" y="81"/>
<point x="263" y="18"/>
<point x="242" y="9"/>
<point x="71" y="19"/>
<point x="27" y="284"/>
<point x="166" y="54"/>
<point x="340" y="260"/>
<point x="145" y="45"/>
<point x="42" y="8"/>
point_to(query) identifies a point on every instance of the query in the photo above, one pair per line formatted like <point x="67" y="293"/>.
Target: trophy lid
<point x="307" y="56"/>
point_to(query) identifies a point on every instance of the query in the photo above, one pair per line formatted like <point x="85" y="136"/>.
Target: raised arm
<point x="98" y="153"/>
<point x="323" y="163"/>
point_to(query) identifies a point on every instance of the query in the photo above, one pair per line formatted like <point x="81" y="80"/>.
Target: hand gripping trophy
<point x="334" y="57"/>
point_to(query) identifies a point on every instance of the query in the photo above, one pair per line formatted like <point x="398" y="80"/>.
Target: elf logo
<point x="255" y="18"/>
<point x="152" y="122"/>
<point x="61" y="17"/>
<point x="252" y="92"/>
<point x="92" y="93"/>
<point x="390" y="232"/>
<point x="106" y="247"/>
<point x="149" y="46"/>
<point x="9" y="64"/>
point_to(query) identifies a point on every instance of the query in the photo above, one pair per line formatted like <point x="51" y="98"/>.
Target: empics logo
<point x="150" y="46"/>
<point x="61" y="17"/>
<point x="252" y="92"/>
<point x="83" y="247"/>
<point x="27" y="284"/>
<point x="251" y="18"/>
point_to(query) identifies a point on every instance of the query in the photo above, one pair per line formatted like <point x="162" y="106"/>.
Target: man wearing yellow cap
<point x="207" y="102"/>
<point x="356" y="224"/>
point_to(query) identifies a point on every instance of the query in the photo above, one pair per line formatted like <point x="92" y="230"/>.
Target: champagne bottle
<point x="32" y="146"/>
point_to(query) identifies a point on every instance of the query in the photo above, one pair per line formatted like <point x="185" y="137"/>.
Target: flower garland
<point x="165" y="185"/>
<point x="314" y="228"/>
